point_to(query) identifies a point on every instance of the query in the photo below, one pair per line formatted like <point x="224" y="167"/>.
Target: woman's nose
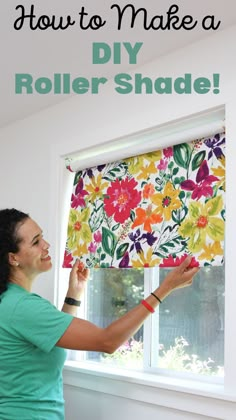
<point x="46" y="245"/>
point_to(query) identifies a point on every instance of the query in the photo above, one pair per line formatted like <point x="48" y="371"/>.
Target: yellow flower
<point x="202" y="222"/>
<point x="146" y="171"/>
<point x="153" y="156"/>
<point x="81" y="250"/>
<point x="78" y="227"/>
<point x="95" y="188"/>
<point x="210" y="251"/>
<point x="135" y="164"/>
<point x="167" y="201"/>
<point x="145" y="261"/>
<point x="220" y="173"/>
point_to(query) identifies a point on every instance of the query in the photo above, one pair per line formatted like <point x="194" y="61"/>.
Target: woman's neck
<point x="22" y="280"/>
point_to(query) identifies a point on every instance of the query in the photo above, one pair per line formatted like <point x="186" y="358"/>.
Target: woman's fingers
<point x="79" y="271"/>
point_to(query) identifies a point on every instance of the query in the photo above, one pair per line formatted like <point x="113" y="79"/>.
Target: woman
<point x="34" y="334"/>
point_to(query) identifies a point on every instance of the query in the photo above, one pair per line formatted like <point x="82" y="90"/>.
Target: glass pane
<point x="191" y="326"/>
<point x="111" y="293"/>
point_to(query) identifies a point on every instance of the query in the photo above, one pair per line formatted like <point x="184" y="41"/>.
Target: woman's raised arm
<point x="83" y="335"/>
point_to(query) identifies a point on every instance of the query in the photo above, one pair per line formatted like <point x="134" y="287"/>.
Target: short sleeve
<point x="39" y="322"/>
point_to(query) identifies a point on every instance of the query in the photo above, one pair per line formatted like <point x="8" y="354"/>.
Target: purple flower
<point x="89" y="171"/>
<point x="202" y="187"/>
<point x="77" y="199"/>
<point x="124" y="263"/>
<point x="150" y="238"/>
<point x="137" y="238"/>
<point x="100" y="168"/>
<point x="214" y="144"/>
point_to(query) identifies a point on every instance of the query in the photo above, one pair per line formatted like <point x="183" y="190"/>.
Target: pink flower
<point x="168" y="152"/>
<point x="92" y="248"/>
<point x="122" y="198"/>
<point x="77" y="199"/>
<point x="175" y="262"/>
<point x="68" y="259"/>
<point x="162" y="165"/>
<point x="97" y="237"/>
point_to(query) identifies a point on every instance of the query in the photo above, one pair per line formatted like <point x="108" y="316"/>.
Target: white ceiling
<point x="43" y="53"/>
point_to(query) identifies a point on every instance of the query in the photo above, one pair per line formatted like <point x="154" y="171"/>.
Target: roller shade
<point x="152" y="209"/>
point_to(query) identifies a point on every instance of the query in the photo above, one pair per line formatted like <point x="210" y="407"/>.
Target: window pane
<point x="111" y="293"/>
<point x="191" y="325"/>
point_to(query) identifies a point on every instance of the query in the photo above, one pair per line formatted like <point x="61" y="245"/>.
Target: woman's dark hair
<point x="10" y="220"/>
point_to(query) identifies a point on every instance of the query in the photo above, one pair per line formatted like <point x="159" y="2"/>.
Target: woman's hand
<point x="181" y="276"/>
<point x="77" y="280"/>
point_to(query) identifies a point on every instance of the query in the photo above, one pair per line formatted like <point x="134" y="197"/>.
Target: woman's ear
<point x="13" y="259"/>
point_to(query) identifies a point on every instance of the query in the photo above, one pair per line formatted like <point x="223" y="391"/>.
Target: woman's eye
<point x="36" y="242"/>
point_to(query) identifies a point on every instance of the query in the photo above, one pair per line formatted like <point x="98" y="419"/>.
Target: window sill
<point x="181" y="394"/>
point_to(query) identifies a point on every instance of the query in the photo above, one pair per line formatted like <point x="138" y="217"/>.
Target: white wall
<point x="29" y="153"/>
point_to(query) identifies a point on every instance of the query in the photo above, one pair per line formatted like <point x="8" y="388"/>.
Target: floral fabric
<point x="151" y="209"/>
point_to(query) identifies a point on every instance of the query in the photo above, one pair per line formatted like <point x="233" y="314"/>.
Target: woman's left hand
<point x="77" y="280"/>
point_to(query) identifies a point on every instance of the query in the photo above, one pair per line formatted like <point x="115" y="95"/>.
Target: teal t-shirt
<point x="30" y="363"/>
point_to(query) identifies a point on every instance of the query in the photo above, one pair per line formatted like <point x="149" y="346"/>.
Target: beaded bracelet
<point x="147" y="306"/>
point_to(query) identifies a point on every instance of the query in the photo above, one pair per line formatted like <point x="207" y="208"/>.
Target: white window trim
<point x="185" y="395"/>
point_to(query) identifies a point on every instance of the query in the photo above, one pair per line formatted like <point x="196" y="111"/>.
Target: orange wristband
<point x="147" y="306"/>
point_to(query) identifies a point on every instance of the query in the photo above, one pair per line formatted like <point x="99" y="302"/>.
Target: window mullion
<point x="151" y="325"/>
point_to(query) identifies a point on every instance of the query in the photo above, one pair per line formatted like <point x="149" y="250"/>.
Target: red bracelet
<point x="147" y="306"/>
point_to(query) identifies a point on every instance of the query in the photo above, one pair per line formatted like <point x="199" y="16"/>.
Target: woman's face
<point x="33" y="257"/>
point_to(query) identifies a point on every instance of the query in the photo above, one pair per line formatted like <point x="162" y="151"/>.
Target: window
<point x="191" y="332"/>
<point x="185" y="335"/>
<point x="111" y="293"/>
